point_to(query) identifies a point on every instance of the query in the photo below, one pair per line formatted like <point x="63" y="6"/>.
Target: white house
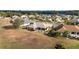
<point x="40" y="26"/>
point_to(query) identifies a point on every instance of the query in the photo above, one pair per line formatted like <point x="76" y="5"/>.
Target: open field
<point x="21" y="38"/>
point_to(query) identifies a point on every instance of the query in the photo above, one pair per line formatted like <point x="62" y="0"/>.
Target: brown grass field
<point x="22" y="38"/>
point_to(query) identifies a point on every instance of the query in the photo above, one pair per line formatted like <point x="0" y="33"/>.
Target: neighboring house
<point x="59" y="19"/>
<point x="15" y="16"/>
<point x="50" y="19"/>
<point x="68" y="17"/>
<point x="71" y="29"/>
<point x="24" y="16"/>
<point x="75" y="21"/>
<point x="26" y="20"/>
<point x="31" y="16"/>
<point x="56" y="25"/>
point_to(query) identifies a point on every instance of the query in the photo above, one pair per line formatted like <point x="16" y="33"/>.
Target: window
<point x="78" y="33"/>
<point x="31" y="23"/>
<point x="73" y="33"/>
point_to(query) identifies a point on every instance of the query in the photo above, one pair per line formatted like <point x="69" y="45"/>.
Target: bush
<point x="65" y="34"/>
<point x="53" y="33"/>
<point x="11" y="21"/>
<point x="59" y="46"/>
<point x="17" y="22"/>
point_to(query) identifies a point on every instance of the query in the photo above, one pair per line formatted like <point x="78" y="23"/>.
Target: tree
<point x="17" y="22"/>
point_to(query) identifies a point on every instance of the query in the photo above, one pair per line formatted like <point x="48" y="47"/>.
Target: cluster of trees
<point x="9" y="14"/>
<point x="53" y="33"/>
<point x="18" y="12"/>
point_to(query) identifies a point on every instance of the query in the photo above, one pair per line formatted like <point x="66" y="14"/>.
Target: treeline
<point x="20" y="12"/>
<point x="9" y="14"/>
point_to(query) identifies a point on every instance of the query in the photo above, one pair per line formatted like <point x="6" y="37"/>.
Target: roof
<point x="75" y="20"/>
<point x="69" y="28"/>
<point x="24" y="16"/>
<point x="40" y="24"/>
<point x="15" y="16"/>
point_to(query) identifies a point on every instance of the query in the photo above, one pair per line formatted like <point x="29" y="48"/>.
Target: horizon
<point x="39" y="10"/>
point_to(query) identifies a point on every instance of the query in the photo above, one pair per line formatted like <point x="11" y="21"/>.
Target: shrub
<point x="53" y="33"/>
<point x="65" y="34"/>
<point x="17" y="22"/>
<point x="58" y="33"/>
<point x="59" y="46"/>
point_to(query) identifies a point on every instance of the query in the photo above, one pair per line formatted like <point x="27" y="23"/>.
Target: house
<point x="39" y="26"/>
<point x="68" y="17"/>
<point x="58" y="19"/>
<point x="24" y="16"/>
<point x="31" y="16"/>
<point x="26" y="21"/>
<point x="75" y="21"/>
<point x="72" y="30"/>
<point x="15" y="16"/>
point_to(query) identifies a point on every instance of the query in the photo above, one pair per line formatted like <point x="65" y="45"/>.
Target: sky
<point x="39" y="5"/>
